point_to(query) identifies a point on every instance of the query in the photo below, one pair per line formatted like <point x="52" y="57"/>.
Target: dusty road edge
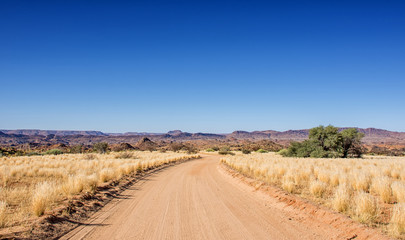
<point x="80" y="210"/>
<point x="307" y="210"/>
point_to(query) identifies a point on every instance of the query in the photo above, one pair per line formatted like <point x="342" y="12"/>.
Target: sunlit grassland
<point x="359" y="188"/>
<point x="29" y="186"/>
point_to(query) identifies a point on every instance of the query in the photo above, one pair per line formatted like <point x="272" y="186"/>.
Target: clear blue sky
<point x="205" y="66"/>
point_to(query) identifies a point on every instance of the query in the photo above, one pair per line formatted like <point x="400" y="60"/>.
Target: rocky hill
<point x="50" y="137"/>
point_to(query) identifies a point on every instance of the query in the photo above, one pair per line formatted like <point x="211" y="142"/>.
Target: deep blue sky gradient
<point x="205" y="66"/>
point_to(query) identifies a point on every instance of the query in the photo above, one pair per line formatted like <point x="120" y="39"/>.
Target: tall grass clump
<point x="45" y="194"/>
<point x="398" y="190"/>
<point x="382" y="187"/>
<point x="289" y="186"/>
<point x="317" y="189"/>
<point x="3" y="216"/>
<point x="366" y="207"/>
<point x="341" y="198"/>
<point x="397" y="223"/>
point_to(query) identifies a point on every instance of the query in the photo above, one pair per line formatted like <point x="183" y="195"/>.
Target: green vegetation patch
<point x="328" y="142"/>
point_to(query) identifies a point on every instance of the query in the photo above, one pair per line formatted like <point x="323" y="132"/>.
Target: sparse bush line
<point x="359" y="188"/>
<point x="43" y="181"/>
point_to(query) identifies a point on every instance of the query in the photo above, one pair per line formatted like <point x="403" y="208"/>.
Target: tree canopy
<point x="328" y="142"/>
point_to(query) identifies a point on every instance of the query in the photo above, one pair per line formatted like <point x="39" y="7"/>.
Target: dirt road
<point x="197" y="200"/>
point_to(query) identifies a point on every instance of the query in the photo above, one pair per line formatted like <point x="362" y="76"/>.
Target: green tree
<point x="328" y="142"/>
<point x="351" y="142"/>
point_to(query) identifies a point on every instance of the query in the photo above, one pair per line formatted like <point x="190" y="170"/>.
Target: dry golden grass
<point x="32" y="185"/>
<point x="356" y="187"/>
<point x="366" y="207"/>
<point x="341" y="198"/>
<point x="397" y="223"/>
<point x="3" y="209"/>
<point x="398" y="189"/>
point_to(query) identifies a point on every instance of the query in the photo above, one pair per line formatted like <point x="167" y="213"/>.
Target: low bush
<point x="225" y="151"/>
<point x="101" y="147"/>
<point x="76" y="149"/>
<point x="246" y="151"/>
<point x="33" y="154"/>
<point x="175" y="146"/>
<point x="53" y="152"/>
<point x="283" y="152"/>
<point x="189" y="148"/>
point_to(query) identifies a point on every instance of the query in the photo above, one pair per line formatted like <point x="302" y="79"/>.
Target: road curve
<point x="195" y="200"/>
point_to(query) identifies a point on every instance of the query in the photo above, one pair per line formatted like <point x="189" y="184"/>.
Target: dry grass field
<point x="370" y="190"/>
<point x="29" y="186"/>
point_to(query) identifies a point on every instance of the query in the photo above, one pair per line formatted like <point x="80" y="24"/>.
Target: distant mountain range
<point x="34" y="132"/>
<point x="22" y="136"/>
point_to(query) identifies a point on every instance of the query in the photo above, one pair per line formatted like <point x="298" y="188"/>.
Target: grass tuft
<point x="366" y="207"/>
<point x="397" y="223"/>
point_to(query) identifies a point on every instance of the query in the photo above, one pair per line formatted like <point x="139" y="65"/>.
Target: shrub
<point x="175" y="146"/>
<point x="215" y="148"/>
<point x="210" y="150"/>
<point x="283" y="152"/>
<point x="101" y="147"/>
<point x="262" y="151"/>
<point x="246" y="151"/>
<point x="54" y="152"/>
<point x="33" y="154"/>
<point x="76" y="149"/>
<point x="226" y="152"/>
<point x="190" y="149"/>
